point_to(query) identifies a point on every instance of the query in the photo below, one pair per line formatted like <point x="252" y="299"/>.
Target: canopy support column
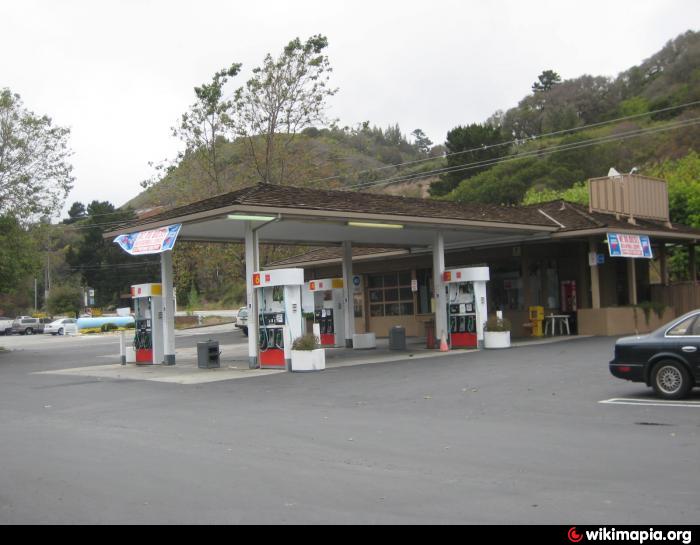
<point x="439" y="285"/>
<point x="251" y="262"/>
<point x="595" y="279"/>
<point x="632" y="281"/>
<point x="349" y="289"/>
<point x="166" y="280"/>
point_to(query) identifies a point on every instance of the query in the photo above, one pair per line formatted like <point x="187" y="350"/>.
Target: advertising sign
<point x="149" y="242"/>
<point x="621" y="245"/>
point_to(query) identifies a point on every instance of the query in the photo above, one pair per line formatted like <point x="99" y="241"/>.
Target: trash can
<point x="430" y="335"/>
<point x="208" y="355"/>
<point x="397" y="338"/>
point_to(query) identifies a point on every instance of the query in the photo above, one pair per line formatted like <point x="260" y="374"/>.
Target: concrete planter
<point x="308" y="360"/>
<point x="362" y="341"/>
<point x="496" y="339"/>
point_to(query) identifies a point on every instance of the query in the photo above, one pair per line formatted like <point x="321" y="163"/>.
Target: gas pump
<point x="466" y="305"/>
<point x="148" y="318"/>
<point x="279" y="315"/>
<point x="329" y="310"/>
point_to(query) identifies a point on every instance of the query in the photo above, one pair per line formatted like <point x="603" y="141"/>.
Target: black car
<point x="667" y="359"/>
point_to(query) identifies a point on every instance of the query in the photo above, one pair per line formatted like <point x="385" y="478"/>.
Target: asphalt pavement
<point x="512" y="436"/>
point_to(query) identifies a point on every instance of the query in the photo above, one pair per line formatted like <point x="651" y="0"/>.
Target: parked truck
<point x="26" y="325"/>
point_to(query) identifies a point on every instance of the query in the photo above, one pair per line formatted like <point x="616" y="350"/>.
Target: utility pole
<point x="47" y="284"/>
<point x="35" y="296"/>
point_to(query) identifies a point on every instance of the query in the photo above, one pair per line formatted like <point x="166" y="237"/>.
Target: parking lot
<point x="534" y="434"/>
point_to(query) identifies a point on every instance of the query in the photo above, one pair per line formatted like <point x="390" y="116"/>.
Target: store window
<point x="390" y="294"/>
<point x="506" y="287"/>
<point x="425" y="291"/>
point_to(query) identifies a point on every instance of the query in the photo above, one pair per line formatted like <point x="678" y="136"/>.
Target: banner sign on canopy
<point x="620" y="245"/>
<point x="155" y="241"/>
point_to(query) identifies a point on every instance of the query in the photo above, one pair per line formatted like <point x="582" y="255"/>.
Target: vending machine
<point x="466" y="305"/>
<point x="148" y="318"/>
<point x="278" y="294"/>
<point x="329" y="310"/>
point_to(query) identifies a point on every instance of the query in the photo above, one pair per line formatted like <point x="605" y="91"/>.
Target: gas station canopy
<point x="295" y="215"/>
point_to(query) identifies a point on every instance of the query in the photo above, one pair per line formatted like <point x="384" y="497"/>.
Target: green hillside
<point x="646" y="116"/>
<point x="331" y="158"/>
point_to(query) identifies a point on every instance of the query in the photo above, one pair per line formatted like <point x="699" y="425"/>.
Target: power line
<point x="524" y="155"/>
<point x="113" y="266"/>
<point x="514" y="141"/>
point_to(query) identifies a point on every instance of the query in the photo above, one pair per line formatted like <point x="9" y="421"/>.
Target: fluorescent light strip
<point x="377" y="225"/>
<point x="244" y="217"/>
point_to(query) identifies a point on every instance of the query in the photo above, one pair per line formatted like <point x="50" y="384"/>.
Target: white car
<point x="62" y="326"/>
<point x="242" y="320"/>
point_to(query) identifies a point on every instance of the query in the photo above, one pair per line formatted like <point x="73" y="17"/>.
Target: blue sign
<point x="600" y="259"/>
<point x="623" y="245"/>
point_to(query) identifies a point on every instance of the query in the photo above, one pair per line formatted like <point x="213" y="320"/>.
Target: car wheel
<point x="670" y="380"/>
<point x="29" y="331"/>
<point x="60" y="331"/>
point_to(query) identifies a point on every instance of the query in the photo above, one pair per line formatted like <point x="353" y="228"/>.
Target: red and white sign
<point x="467" y="274"/>
<point x="279" y="277"/>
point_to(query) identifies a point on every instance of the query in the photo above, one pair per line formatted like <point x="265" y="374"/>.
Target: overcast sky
<point x="120" y="73"/>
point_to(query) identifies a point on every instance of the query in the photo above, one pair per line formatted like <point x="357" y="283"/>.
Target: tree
<point x="545" y="81"/>
<point x="65" y="300"/>
<point x="101" y="263"/>
<point x="207" y="124"/>
<point x="19" y="258"/>
<point x="422" y="142"/>
<point x="466" y="147"/>
<point x="683" y="178"/>
<point x="35" y="175"/>
<point x="75" y="213"/>
<point x="284" y="96"/>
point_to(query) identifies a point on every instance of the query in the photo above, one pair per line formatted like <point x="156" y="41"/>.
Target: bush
<point x="64" y="300"/>
<point x="108" y="327"/>
<point x="306" y="342"/>
<point x="496" y="324"/>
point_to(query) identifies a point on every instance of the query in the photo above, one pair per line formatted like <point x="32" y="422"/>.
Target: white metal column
<point x="166" y="280"/>
<point x="439" y="286"/>
<point x="349" y="290"/>
<point x="251" y="300"/>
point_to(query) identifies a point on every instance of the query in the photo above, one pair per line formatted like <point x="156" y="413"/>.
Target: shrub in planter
<point x="306" y="342"/>
<point x="497" y="333"/>
<point x="307" y="355"/>
<point x="494" y="323"/>
<point x="109" y="327"/>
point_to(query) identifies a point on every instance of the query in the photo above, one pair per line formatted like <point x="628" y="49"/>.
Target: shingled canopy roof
<point x="314" y="216"/>
<point x="572" y="221"/>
